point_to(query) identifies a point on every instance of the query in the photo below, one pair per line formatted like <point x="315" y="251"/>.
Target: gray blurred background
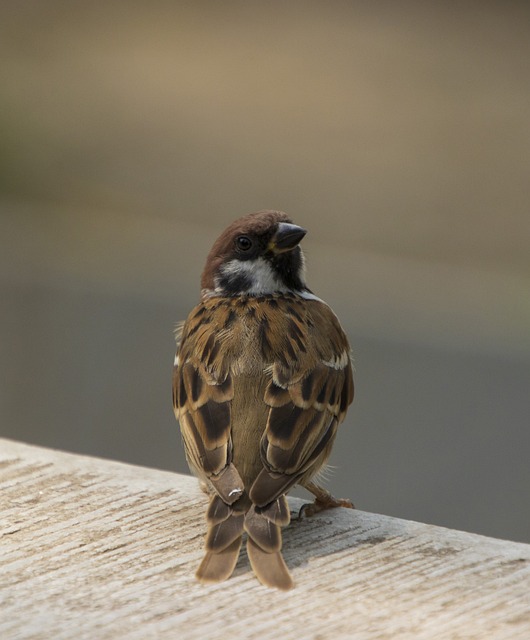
<point x="132" y="133"/>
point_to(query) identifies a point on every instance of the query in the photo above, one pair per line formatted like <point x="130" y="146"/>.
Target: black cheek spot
<point x="235" y="283"/>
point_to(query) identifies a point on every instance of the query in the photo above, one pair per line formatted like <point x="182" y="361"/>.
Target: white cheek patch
<point x="176" y="361"/>
<point x="258" y="272"/>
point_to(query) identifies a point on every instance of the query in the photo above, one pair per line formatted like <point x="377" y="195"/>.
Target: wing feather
<point x="202" y="395"/>
<point x="308" y="396"/>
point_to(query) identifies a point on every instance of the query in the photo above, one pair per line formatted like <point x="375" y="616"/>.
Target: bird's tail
<point x="264" y="544"/>
<point x="223" y="541"/>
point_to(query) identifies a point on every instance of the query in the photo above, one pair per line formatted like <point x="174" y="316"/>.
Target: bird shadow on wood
<point x="327" y="533"/>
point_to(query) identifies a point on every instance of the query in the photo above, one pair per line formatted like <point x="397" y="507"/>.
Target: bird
<point x="262" y="378"/>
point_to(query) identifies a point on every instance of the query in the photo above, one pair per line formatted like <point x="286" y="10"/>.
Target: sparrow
<point x="261" y="381"/>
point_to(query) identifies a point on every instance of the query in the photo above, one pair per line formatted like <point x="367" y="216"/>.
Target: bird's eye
<point x="243" y="243"/>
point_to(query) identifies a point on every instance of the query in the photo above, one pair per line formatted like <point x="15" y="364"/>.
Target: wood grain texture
<point x="96" y="549"/>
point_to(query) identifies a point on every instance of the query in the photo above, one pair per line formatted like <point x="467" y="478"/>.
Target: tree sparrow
<point x="261" y="381"/>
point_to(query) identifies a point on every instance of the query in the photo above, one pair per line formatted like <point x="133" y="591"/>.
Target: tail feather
<point x="218" y="511"/>
<point x="277" y="511"/>
<point x="269" y="568"/>
<point x="223" y="534"/>
<point x="223" y="541"/>
<point x="216" y="567"/>
<point x="265" y="533"/>
<point x="265" y="542"/>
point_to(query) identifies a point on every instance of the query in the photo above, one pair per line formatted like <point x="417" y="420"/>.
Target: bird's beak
<point x="286" y="237"/>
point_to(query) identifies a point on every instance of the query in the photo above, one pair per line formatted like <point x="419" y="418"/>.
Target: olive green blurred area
<point x="398" y="134"/>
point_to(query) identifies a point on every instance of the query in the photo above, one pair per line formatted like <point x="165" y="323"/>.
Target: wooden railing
<point x="91" y="548"/>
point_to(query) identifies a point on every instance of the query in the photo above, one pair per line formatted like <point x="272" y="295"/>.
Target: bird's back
<point x="249" y="419"/>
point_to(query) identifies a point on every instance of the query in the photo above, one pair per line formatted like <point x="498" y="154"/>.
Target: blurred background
<point x="398" y="134"/>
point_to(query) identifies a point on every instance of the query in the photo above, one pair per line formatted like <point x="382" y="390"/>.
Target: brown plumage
<point x="261" y="381"/>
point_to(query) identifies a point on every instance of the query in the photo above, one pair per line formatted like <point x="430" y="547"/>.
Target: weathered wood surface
<point x="96" y="549"/>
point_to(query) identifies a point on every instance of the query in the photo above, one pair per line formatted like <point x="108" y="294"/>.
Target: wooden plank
<point x="91" y="548"/>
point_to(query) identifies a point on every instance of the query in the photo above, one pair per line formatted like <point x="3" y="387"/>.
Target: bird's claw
<point x="311" y="508"/>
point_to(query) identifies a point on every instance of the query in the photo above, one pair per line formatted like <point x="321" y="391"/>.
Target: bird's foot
<point x="321" y="504"/>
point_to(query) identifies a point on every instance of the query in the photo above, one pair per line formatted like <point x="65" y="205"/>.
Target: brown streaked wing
<point x="203" y="391"/>
<point x="306" y="406"/>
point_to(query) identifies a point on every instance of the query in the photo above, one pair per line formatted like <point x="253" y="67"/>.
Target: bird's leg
<point x="323" y="500"/>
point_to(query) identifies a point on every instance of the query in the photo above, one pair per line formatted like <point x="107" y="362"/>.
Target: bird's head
<point x="258" y="254"/>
